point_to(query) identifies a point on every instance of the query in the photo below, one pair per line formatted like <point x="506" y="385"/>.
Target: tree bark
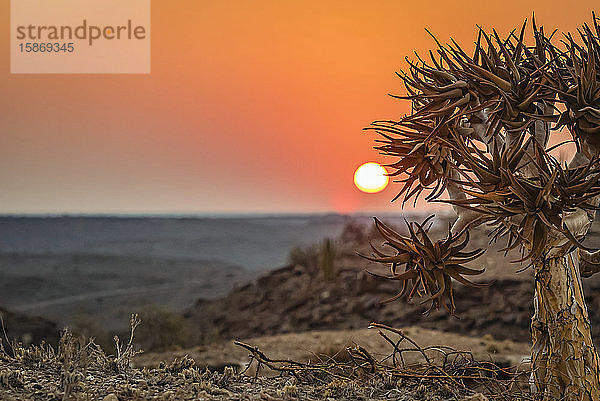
<point x="564" y="360"/>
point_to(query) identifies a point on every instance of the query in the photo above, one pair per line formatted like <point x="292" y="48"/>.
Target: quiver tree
<point x="477" y="138"/>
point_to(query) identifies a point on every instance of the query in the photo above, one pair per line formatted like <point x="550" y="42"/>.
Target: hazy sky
<point x="251" y="106"/>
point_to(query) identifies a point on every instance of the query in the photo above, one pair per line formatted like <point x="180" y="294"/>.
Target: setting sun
<point x="371" y="178"/>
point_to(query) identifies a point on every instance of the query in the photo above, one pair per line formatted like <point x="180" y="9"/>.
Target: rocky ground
<point x="295" y="313"/>
<point x="79" y="370"/>
<point x="285" y="301"/>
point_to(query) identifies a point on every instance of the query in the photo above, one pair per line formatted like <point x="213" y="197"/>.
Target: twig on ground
<point x="456" y="370"/>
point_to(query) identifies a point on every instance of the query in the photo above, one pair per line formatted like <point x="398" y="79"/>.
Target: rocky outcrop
<point x="294" y="299"/>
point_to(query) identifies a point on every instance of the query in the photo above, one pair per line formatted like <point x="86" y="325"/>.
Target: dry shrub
<point x="353" y="233"/>
<point x="163" y="329"/>
<point x="307" y="256"/>
<point x="90" y="326"/>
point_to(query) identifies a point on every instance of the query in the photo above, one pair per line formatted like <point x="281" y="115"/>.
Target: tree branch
<point x="589" y="262"/>
<point x="541" y="128"/>
<point x="465" y="217"/>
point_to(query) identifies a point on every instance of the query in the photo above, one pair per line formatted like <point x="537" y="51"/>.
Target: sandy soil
<point x="320" y="344"/>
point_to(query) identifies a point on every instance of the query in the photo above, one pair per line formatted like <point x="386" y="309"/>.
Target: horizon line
<point x="262" y="214"/>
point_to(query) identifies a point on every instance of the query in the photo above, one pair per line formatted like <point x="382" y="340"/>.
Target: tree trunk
<point x="564" y="360"/>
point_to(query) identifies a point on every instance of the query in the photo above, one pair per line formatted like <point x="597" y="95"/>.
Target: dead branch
<point x="458" y="370"/>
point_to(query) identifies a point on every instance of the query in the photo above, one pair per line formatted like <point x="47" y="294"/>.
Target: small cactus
<point x="328" y="259"/>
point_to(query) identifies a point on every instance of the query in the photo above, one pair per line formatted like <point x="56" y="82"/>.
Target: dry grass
<point x="80" y="370"/>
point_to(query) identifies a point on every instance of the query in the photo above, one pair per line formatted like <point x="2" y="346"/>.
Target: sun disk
<point x="371" y="178"/>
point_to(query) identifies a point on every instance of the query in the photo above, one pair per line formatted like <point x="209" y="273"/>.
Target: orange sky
<point x="251" y="106"/>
